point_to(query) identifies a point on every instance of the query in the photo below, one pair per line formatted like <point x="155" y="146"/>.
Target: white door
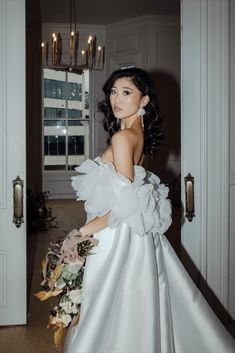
<point x="205" y="144"/>
<point x="12" y="162"/>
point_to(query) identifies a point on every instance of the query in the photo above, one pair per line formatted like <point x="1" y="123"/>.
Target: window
<point x="65" y="119"/>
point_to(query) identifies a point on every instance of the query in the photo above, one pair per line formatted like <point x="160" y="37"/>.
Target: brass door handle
<point x="189" y="197"/>
<point x="18" y="201"/>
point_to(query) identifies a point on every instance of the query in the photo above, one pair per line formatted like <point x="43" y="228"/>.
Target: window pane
<point x="74" y="91"/>
<point x="47" y="88"/>
<point x="54" y="167"/>
<point x="57" y="123"/>
<point x="75" y="123"/>
<point x="55" y="89"/>
<point x="54" y="153"/>
<point x="74" y="114"/>
<point x="59" y="90"/>
<point x="54" y="145"/>
<point x="53" y="113"/>
<point x="75" y="145"/>
<point x="78" y="142"/>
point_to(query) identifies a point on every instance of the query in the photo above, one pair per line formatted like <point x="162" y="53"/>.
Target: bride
<point x="137" y="297"/>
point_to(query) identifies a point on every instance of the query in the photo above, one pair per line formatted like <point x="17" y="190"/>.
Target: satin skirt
<point x="138" y="298"/>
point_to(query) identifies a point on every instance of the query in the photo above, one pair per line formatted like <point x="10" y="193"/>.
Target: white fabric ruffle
<point x="141" y="204"/>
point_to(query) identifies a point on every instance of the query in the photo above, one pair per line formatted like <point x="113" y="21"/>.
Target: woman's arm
<point x="123" y="151"/>
<point x="94" y="226"/>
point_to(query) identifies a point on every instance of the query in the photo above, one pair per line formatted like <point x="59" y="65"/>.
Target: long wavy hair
<point x="152" y="117"/>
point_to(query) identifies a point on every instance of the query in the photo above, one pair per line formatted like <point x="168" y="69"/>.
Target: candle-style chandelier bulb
<point x="91" y="58"/>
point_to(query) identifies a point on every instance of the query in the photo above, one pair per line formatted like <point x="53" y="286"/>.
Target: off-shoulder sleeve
<point x="141" y="204"/>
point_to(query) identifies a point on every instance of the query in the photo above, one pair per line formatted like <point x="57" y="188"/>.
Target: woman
<point x="137" y="296"/>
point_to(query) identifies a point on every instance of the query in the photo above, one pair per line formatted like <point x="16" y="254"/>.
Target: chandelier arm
<point x="75" y="18"/>
<point x="70" y="16"/>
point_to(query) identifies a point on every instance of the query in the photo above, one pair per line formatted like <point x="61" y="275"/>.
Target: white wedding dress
<point x="137" y="296"/>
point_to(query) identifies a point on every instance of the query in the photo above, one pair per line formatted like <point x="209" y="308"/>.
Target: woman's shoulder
<point x="123" y="144"/>
<point x="122" y="134"/>
<point x="126" y="136"/>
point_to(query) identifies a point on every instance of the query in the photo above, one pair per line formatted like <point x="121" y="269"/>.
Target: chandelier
<point x="90" y="58"/>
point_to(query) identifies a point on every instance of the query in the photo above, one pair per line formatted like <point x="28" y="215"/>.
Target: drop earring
<point x="141" y="113"/>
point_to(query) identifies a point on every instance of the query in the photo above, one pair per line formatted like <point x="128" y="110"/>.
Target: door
<point x="205" y="143"/>
<point x="12" y="162"/>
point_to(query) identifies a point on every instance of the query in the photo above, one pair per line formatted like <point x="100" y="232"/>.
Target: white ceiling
<point x="106" y="11"/>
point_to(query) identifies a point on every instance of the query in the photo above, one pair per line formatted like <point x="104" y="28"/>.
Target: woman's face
<point x="125" y="98"/>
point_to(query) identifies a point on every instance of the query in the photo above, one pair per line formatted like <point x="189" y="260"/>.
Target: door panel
<point x="12" y="160"/>
<point x="205" y="143"/>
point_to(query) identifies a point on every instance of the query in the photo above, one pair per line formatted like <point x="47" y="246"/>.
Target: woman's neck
<point x="130" y="122"/>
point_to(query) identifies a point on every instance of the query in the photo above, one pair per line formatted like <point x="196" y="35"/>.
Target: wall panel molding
<point x="232" y="162"/>
<point x="125" y="60"/>
<point x="3" y="278"/>
<point x="3" y="113"/>
<point x="232" y="247"/>
<point x="125" y="42"/>
<point x="204" y="136"/>
<point x="214" y="48"/>
<point x="223" y="131"/>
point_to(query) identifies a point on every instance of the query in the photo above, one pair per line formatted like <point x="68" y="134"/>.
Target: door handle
<point x="18" y="201"/>
<point x="189" y="197"/>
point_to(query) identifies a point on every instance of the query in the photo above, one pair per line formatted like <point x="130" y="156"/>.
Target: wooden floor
<point x="35" y="337"/>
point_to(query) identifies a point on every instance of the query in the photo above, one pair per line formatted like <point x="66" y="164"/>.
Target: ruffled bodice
<point x="141" y="204"/>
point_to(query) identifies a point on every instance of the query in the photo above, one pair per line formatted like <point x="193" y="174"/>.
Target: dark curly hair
<point x="152" y="117"/>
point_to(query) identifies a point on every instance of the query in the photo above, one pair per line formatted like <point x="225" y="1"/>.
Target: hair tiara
<point x="127" y="67"/>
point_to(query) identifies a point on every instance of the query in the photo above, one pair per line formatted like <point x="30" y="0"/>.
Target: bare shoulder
<point x="123" y="146"/>
<point x="127" y="136"/>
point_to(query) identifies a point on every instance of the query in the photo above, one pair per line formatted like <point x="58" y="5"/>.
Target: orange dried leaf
<point x="51" y="283"/>
<point x="57" y="271"/>
<point x="75" y="319"/>
<point x="43" y="295"/>
<point x="58" y="335"/>
<point x="55" y="275"/>
<point x="50" y="320"/>
<point x="44" y="264"/>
